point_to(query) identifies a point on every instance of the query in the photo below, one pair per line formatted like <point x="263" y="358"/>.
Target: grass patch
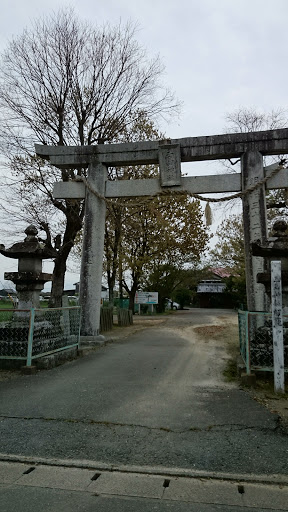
<point x="6" y="315"/>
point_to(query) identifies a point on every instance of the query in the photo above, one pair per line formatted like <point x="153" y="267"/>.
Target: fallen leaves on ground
<point x="210" y="330"/>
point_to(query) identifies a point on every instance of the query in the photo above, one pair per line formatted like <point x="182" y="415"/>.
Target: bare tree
<point x="245" y="120"/>
<point x="65" y="82"/>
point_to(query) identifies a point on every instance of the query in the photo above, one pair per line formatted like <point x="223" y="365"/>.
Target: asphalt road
<point x="149" y="400"/>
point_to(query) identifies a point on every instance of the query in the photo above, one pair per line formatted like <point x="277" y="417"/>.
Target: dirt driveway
<point x="215" y="333"/>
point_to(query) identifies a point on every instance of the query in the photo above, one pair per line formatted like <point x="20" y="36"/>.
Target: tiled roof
<point x="221" y="272"/>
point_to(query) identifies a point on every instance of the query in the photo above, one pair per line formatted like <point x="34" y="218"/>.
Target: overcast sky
<point x="219" y="55"/>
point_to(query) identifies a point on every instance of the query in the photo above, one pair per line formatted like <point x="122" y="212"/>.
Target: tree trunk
<point x="111" y="285"/>
<point x="132" y="293"/>
<point x="57" y="289"/>
<point x="73" y="226"/>
<point x="112" y="255"/>
<point x="161" y="305"/>
<point x="120" y="278"/>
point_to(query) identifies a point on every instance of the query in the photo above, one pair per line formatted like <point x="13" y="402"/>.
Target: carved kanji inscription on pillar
<point x="170" y="165"/>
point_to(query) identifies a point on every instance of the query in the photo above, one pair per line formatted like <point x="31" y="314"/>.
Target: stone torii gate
<point x="168" y="154"/>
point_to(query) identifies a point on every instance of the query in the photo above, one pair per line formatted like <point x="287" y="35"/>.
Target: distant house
<point x="210" y="291"/>
<point x="71" y="292"/>
<point x="104" y="292"/>
<point x="7" y="292"/>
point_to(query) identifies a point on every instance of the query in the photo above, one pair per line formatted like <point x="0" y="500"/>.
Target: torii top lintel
<point x="212" y="147"/>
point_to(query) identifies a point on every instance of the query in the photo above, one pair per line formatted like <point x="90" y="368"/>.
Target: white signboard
<point x="146" y="298"/>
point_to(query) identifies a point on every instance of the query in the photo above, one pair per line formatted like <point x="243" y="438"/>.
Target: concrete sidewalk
<point x="87" y="484"/>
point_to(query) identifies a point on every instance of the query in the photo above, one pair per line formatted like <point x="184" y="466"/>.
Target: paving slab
<point x="274" y="497"/>
<point x="72" y="479"/>
<point x="10" y="473"/>
<point x="164" y="492"/>
<point x="145" y="486"/>
<point x="15" y="498"/>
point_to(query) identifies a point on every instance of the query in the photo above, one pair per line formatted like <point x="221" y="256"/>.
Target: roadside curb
<point x="273" y="479"/>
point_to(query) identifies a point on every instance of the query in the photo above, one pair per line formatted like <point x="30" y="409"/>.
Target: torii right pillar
<point x="255" y="226"/>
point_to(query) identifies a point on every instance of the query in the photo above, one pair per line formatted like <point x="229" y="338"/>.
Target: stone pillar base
<point x="248" y="379"/>
<point x="29" y="370"/>
<point x="92" y="341"/>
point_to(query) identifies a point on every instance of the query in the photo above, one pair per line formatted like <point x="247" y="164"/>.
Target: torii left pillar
<point x="92" y="252"/>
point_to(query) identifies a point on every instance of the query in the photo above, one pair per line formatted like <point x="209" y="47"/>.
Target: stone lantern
<point x="29" y="279"/>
